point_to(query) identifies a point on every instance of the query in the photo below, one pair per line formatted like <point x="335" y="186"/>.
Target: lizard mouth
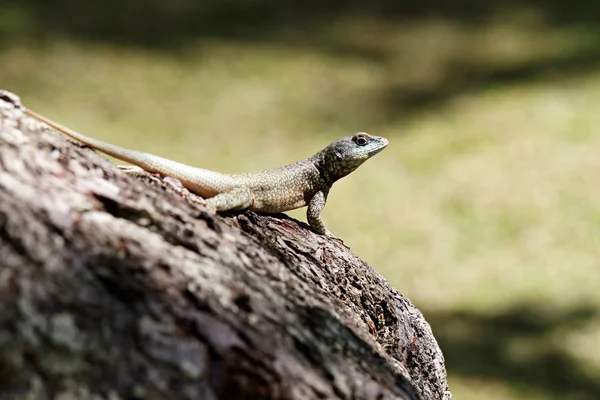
<point x="380" y="144"/>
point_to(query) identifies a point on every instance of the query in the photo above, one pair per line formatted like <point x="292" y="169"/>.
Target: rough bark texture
<point x="113" y="287"/>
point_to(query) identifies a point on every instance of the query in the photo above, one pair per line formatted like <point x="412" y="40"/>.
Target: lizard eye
<point x="360" y="139"/>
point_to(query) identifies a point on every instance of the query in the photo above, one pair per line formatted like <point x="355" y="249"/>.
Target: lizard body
<point x="303" y="183"/>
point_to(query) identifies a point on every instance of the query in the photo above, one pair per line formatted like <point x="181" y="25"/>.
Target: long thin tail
<point x="121" y="153"/>
<point x="201" y="181"/>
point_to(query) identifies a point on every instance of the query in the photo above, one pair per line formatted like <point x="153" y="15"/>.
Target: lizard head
<point x="346" y="154"/>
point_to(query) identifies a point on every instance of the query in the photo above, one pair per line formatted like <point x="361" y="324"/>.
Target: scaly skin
<point x="303" y="183"/>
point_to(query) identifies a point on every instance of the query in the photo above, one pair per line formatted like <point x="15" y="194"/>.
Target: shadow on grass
<point x="158" y="23"/>
<point x="471" y="78"/>
<point x="168" y="26"/>
<point x="517" y="348"/>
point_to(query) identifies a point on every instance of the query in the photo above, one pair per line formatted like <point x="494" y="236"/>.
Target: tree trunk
<point x="117" y="287"/>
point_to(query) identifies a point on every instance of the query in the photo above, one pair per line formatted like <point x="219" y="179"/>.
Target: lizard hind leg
<point x="238" y="198"/>
<point x="173" y="183"/>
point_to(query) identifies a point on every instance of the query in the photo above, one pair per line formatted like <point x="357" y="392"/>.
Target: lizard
<point x="303" y="183"/>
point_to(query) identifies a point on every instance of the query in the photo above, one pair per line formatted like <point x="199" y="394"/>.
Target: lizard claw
<point x="340" y="241"/>
<point x="132" y="170"/>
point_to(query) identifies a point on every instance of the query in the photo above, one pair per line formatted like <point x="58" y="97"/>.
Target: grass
<point x="484" y="210"/>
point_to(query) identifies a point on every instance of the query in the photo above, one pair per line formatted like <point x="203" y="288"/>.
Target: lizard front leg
<point x="313" y="212"/>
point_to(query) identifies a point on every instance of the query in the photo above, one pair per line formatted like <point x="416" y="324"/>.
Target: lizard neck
<point x="329" y="166"/>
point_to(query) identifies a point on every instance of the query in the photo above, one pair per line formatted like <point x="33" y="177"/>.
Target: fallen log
<point x="114" y="286"/>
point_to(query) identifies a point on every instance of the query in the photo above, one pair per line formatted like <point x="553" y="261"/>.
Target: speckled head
<point x="348" y="153"/>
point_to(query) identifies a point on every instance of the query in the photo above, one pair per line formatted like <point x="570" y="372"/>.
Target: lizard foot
<point x="181" y="190"/>
<point x="137" y="172"/>
<point x="132" y="170"/>
<point x="340" y="241"/>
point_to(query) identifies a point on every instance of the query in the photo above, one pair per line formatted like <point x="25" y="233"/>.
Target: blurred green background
<point x="485" y="208"/>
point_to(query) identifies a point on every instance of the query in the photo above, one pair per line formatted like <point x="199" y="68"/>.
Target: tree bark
<point x="115" y="287"/>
